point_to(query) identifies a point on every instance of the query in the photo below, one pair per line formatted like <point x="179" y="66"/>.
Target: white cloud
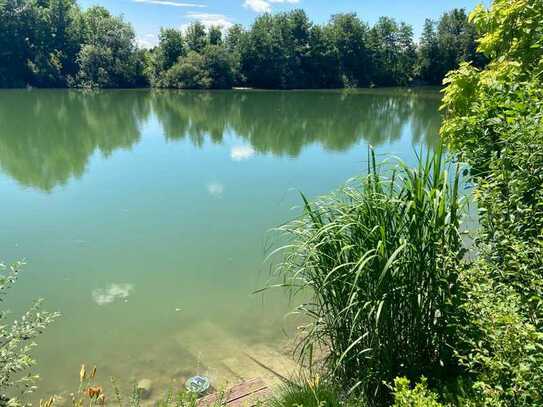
<point x="147" y="41"/>
<point x="241" y="153"/>
<point x="210" y="20"/>
<point x="170" y="3"/>
<point x="103" y="296"/>
<point x="259" y="6"/>
<point x="215" y="189"/>
<point x="264" y="6"/>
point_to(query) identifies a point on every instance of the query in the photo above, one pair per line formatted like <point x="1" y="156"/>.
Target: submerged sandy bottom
<point x="205" y="349"/>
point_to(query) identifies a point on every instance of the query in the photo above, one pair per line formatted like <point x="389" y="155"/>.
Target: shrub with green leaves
<point x="380" y="261"/>
<point x="498" y="131"/>
<point x="494" y="122"/>
<point x="419" y="396"/>
<point x="501" y="347"/>
<point x="16" y="343"/>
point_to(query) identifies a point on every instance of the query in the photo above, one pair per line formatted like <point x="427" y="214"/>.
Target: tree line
<point x="54" y="43"/>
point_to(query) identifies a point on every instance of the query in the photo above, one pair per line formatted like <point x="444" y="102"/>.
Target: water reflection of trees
<point x="46" y="137"/>
<point x="283" y="123"/>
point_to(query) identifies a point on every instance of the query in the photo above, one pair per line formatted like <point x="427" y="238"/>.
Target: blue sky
<point x="147" y="16"/>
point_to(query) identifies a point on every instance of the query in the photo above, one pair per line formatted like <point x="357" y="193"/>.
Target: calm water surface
<point x="144" y="216"/>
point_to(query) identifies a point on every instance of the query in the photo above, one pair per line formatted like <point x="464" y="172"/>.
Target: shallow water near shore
<point x="145" y="216"/>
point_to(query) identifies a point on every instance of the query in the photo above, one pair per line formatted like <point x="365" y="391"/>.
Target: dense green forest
<point x="54" y="43"/>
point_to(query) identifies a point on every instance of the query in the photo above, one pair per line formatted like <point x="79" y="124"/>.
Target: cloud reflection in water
<point x="112" y="293"/>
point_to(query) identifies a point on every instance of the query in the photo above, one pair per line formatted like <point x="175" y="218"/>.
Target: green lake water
<point x="145" y="216"/>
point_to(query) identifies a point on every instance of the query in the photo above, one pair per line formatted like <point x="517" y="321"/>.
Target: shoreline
<point x="407" y="88"/>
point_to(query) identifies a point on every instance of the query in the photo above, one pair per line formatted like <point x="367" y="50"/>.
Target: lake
<point x="145" y="216"/>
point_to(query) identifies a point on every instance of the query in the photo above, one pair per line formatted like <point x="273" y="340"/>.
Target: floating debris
<point x="197" y="384"/>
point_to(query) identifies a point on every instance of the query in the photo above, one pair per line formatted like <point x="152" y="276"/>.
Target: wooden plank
<point x="252" y="400"/>
<point x="246" y="393"/>
<point x="236" y="392"/>
<point x="244" y="389"/>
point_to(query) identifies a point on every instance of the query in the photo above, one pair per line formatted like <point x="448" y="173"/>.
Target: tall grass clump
<point x="380" y="261"/>
<point x="308" y="392"/>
